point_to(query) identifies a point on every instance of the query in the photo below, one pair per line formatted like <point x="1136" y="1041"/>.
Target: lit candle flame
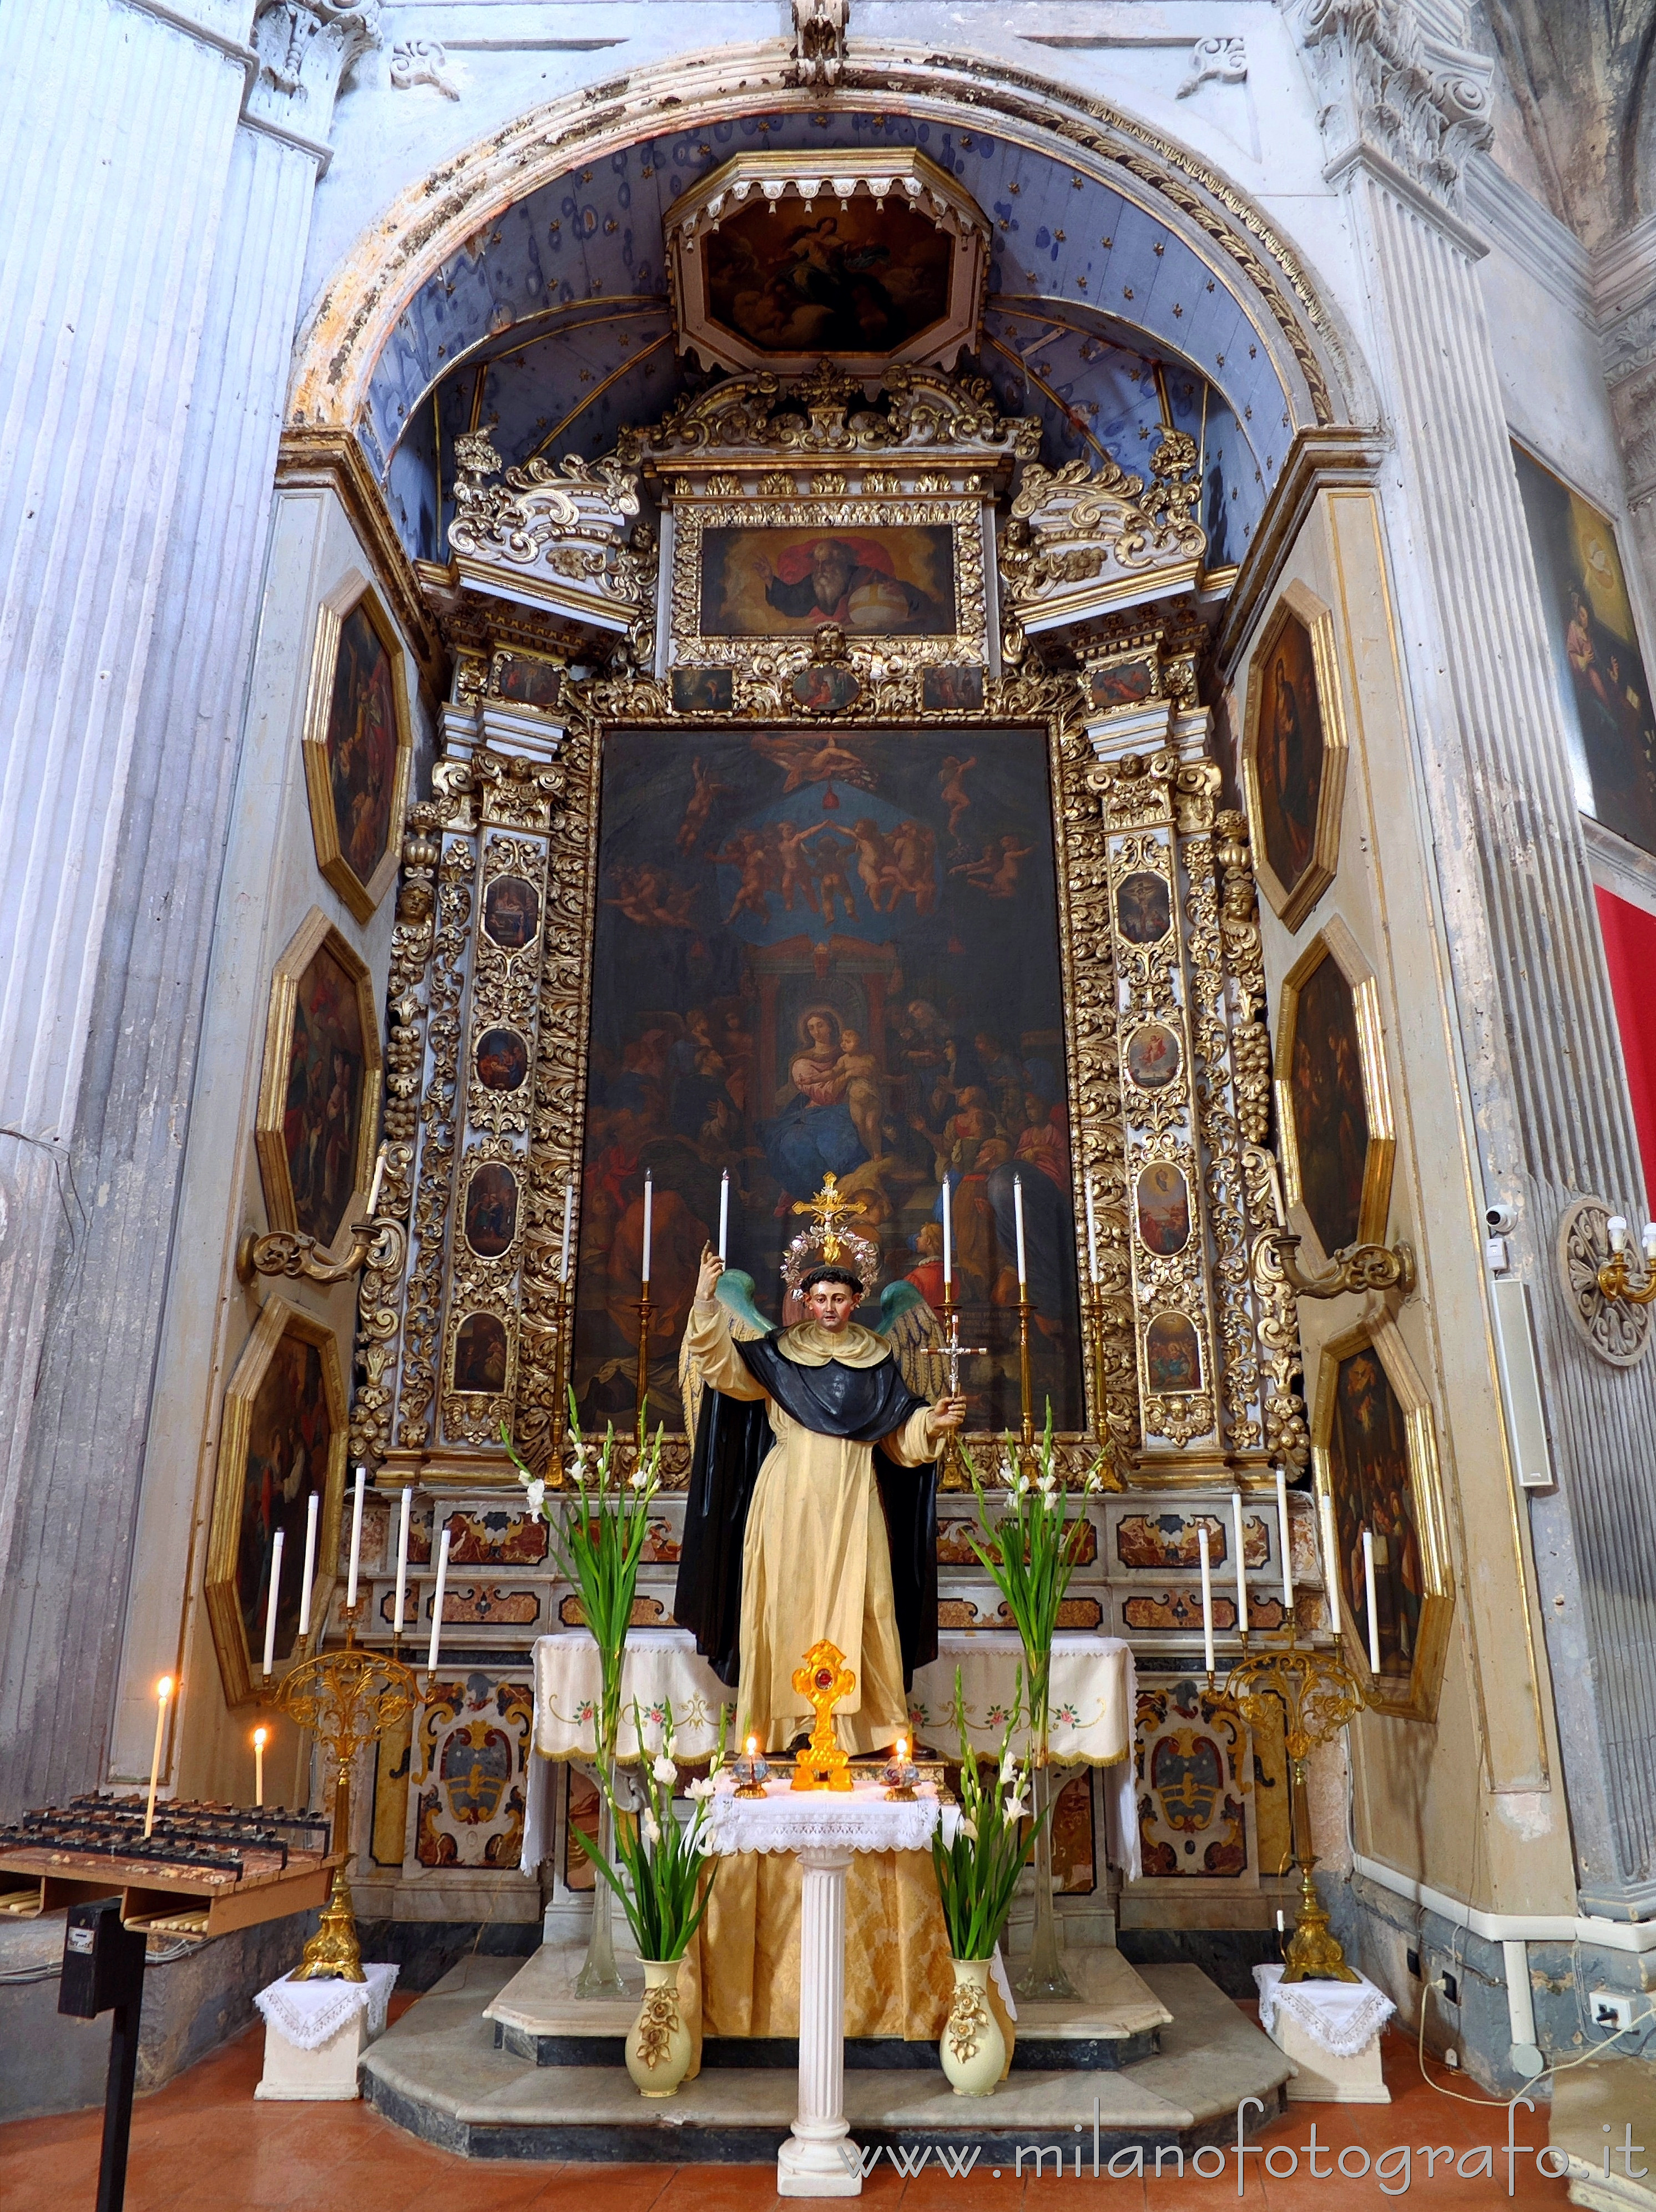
<point x="164" y="1688"/>
<point x="752" y="1746"/>
<point x="261" y="1737"/>
<point x="902" y="1749"/>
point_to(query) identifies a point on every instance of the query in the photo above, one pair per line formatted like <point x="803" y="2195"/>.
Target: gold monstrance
<point x="822" y="1681"/>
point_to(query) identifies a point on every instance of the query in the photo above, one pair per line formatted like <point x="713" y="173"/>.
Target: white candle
<point x="261" y="1736"/>
<point x="1206" y="1598"/>
<point x="379" y="1177"/>
<point x="569" y="1218"/>
<point x="1241" y="1565"/>
<point x="1282" y="1539"/>
<point x="724" y="1215"/>
<point x="402" y="1557"/>
<point x="163" y="1692"/>
<point x="649" y="1201"/>
<point x="1331" y="1567"/>
<point x="1648" y="1240"/>
<point x="1618" y="1232"/>
<point x="437" y="1604"/>
<point x="356" y="1541"/>
<point x="1091" y="1237"/>
<point x="1018" y="1218"/>
<point x="276" y="1599"/>
<point x="948" y="1239"/>
<point x="310" y="1562"/>
<point x="1369" y="1599"/>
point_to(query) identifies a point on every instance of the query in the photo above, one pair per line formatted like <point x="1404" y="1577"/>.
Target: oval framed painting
<point x="1295" y="750"/>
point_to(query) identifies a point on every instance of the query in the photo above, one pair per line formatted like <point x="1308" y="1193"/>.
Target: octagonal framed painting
<point x="358" y="744"/>
<point x="1337" y="1133"/>
<point x="1295" y="750"/>
<point x="318" y="1117"/>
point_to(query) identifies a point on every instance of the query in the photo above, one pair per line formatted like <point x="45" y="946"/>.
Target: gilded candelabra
<point x="348" y="1700"/>
<point x="1318" y="1694"/>
<point x="1358" y="1268"/>
<point x="1615" y="1278"/>
<point x="289" y="1252"/>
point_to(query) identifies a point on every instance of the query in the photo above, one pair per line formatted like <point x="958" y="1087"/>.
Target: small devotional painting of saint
<point x="362" y="743"/>
<point x="322" y="1111"/>
<point x="1373" y="1487"/>
<point x="1332" y="1125"/>
<point x="1144" y="908"/>
<point x="503" y="1061"/>
<point x="1164" y="1208"/>
<point x="1154" y="1056"/>
<point x="883" y="581"/>
<point x="1288" y="761"/>
<point x="491" y="1209"/>
<point x="1173" y="1356"/>
<point x="479" y="1367"/>
<point x="290" y="1433"/>
<point x="511" y="912"/>
<point x="864" y="278"/>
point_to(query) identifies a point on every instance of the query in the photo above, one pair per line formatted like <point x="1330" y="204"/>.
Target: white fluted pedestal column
<point x="821" y="2161"/>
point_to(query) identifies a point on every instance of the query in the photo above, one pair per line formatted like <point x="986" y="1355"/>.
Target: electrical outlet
<point x="1451" y="1988"/>
<point x="1611" y="2010"/>
<point x="1412" y="1960"/>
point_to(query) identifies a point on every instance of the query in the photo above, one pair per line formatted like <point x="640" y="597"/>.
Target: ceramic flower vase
<point x="658" y="2043"/>
<point x="973" y="2049"/>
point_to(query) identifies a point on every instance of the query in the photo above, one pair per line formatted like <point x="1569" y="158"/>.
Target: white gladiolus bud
<point x="647" y="1822"/>
<point x="664" y="1769"/>
<point x="969" y="1827"/>
<point x="1008" y="1769"/>
<point x="1016" y="1806"/>
<point x="537" y="1494"/>
<point x="638" y="1478"/>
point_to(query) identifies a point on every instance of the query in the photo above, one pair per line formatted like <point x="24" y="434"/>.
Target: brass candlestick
<point x="1615" y="1277"/>
<point x="1318" y="1694"/>
<point x="348" y="1700"/>
<point x="644" y="1362"/>
<point x="1025" y="1384"/>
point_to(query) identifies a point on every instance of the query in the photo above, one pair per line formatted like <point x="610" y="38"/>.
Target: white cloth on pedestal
<point x="861" y="1818"/>
<point x="309" y="2013"/>
<point x="1339" y="2017"/>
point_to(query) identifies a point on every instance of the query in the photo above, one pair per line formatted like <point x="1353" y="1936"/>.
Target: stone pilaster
<point x="1404" y="104"/>
<point x="159" y="232"/>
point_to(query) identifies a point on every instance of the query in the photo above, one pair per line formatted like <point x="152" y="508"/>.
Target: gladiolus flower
<point x="638" y="1478"/>
<point x="647" y="1822"/>
<point x="537" y="1494"/>
<point x="1008" y="1769"/>
<point x="1016" y="1805"/>
<point x="969" y="1827"/>
<point x="703" y="1786"/>
<point x="664" y="1769"/>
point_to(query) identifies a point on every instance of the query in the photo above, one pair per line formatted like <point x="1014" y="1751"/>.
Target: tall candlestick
<point x="1091" y="1237"/>
<point x="649" y="1201"/>
<point x="1331" y="1567"/>
<point x="437" y="1604"/>
<point x="356" y="1541"/>
<point x="724" y="1216"/>
<point x="1207" y="1597"/>
<point x="261" y="1737"/>
<point x="1369" y="1599"/>
<point x="163" y="1692"/>
<point x="310" y="1562"/>
<point x="402" y="1558"/>
<point x="1282" y="1539"/>
<point x="1241" y="1565"/>
<point x="569" y="1218"/>
<point x="948" y="1239"/>
<point x="1017" y="1222"/>
<point x="379" y="1177"/>
<point x="276" y="1599"/>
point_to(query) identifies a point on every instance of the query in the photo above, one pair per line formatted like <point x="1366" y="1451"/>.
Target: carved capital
<point x="1389" y="85"/>
<point x="820" y="27"/>
<point x="304" y="49"/>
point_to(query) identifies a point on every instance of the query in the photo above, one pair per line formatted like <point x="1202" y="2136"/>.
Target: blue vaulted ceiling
<point x="553" y="323"/>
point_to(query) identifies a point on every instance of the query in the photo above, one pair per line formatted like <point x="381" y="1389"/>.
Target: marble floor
<point x="201" y="2145"/>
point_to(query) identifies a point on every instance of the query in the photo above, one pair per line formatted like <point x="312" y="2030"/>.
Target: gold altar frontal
<point x="741" y="1975"/>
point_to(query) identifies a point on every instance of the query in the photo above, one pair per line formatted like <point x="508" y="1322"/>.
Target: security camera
<point x="1501" y="1219"/>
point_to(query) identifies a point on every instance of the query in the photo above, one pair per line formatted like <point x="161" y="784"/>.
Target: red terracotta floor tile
<point x="583" y="2188"/>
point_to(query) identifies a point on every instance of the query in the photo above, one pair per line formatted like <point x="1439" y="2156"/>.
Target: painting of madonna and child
<point x="822" y="954"/>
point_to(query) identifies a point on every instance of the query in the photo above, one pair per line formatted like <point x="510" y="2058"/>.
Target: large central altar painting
<point x="820" y="954"/>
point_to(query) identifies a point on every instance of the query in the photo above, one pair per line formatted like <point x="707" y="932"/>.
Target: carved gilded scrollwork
<point x="1079" y="541"/>
<point x="1287" y="1436"/>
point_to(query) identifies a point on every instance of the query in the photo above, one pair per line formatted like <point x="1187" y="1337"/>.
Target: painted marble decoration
<point x="818" y="953"/>
<point x="862" y="278"/>
<point x="893" y="580"/>
<point x="1330" y="1111"/>
<point x="1171" y="1540"/>
<point x="1290" y="754"/>
<point x="1192" y="1800"/>
<point x="362" y="743"/>
<point x="498" y="1538"/>
<point x="322" y="1113"/>
<point x="473" y="1742"/>
<point x="1595" y="649"/>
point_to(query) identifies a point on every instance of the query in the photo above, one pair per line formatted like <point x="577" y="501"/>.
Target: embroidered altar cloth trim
<point x="861" y="1818"/>
<point x="307" y="2014"/>
<point x="659" y="1666"/>
<point x="1340" y="2017"/>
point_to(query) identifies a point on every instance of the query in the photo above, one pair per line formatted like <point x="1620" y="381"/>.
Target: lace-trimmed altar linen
<point x="861" y="1818"/>
<point x="307" y="2013"/>
<point x="658" y="1666"/>
<point x="1339" y="2017"/>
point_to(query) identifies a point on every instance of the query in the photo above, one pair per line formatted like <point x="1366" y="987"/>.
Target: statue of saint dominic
<point x="812" y="1510"/>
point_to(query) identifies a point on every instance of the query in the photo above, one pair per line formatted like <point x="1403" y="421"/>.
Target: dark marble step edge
<point x="863" y="2054"/>
<point x="659" y="2143"/>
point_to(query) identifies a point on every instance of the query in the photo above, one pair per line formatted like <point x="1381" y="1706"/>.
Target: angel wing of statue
<point x="916" y="1336"/>
<point x="734" y="1291"/>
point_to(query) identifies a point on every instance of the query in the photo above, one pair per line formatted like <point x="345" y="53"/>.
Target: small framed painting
<point x="319" y="1101"/>
<point x="282" y="1441"/>
<point x="1374" y="1457"/>
<point x="1294" y="754"/>
<point x="358" y="745"/>
<point x="1333" y="1099"/>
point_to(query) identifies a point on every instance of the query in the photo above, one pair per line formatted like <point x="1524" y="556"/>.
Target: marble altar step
<point x="1113" y="2021"/>
<point x="438" y="2073"/>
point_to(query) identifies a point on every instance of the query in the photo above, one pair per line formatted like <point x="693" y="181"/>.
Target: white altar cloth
<point x="309" y="2013"/>
<point x="1094" y="1700"/>
<point x="860" y="1819"/>
<point x="1339" y="2017"/>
